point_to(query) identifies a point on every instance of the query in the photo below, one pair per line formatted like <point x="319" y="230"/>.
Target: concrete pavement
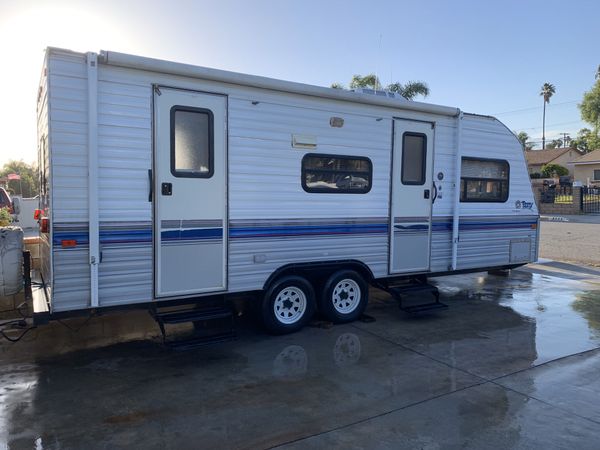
<point x="512" y="363"/>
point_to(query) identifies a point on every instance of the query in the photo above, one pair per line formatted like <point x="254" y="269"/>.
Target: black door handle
<point x="426" y="193"/>
<point x="166" y="188"/>
<point x="150" y="183"/>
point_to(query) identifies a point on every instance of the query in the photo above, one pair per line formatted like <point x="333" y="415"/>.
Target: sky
<point x="486" y="57"/>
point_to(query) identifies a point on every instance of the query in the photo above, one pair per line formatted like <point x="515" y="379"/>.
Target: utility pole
<point x="565" y="139"/>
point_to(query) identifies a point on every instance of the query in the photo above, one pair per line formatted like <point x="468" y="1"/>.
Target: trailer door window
<point x="191" y="142"/>
<point x="484" y="180"/>
<point x="414" y="155"/>
<point x="336" y="174"/>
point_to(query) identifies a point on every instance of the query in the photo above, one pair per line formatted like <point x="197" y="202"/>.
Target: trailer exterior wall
<point x="45" y="171"/>
<point x="269" y="211"/>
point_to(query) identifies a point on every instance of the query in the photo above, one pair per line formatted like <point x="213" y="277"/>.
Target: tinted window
<point x="191" y="142"/>
<point x="484" y="180"/>
<point x="336" y="174"/>
<point x="414" y="154"/>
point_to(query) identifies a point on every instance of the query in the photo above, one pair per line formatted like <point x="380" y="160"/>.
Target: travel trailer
<point x="165" y="183"/>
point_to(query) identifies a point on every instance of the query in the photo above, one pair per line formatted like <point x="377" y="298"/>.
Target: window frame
<point x="424" y="160"/>
<point x="323" y="190"/>
<point x="211" y="142"/>
<point x="478" y="200"/>
<point x="594" y="171"/>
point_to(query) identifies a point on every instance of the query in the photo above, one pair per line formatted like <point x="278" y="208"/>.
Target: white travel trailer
<point x="163" y="182"/>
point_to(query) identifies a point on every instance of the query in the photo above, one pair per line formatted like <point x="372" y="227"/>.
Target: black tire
<point x="288" y="292"/>
<point x="332" y="304"/>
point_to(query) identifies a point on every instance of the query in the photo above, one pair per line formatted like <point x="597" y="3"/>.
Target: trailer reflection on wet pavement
<point x="513" y="362"/>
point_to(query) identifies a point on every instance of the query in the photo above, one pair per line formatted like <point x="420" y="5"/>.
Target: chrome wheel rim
<point x="346" y="296"/>
<point x="289" y="305"/>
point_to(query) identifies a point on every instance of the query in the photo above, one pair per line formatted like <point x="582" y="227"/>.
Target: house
<point x="587" y="168"/>
<point x="561" y="156"/>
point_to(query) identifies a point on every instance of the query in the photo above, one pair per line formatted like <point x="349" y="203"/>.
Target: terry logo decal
<point x="523" y="204"/>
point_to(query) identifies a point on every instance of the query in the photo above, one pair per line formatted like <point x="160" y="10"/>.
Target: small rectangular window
<point x="336" y="174"/>
<point x="414" y="158"/>
<point x="191" y="142"/>
<point x="597" y="175"/>
<point x="484" y="180"/>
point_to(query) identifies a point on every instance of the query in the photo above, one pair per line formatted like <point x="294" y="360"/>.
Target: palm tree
<point x="367" y="81"/>
<point x="547" y="91"/>
<point x="410" y="89"/>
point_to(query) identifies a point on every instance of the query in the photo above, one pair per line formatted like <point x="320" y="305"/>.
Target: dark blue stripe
<point x="145" y="235"/>
<point x="192" y="235"/>
<point x="305" y="230"/>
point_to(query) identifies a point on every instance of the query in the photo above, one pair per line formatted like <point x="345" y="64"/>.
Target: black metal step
<point x="195" y="342"/>
<point x="399" y="291"/>
<point x="411" y="289"/>
<point x="193" y="315"/>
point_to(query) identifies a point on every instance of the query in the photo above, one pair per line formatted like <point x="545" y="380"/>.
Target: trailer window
<point x="484" y="180"/>
<point x="336" y="174"/>
<point x="191" y="142"/>
<point x="414" y="154"/>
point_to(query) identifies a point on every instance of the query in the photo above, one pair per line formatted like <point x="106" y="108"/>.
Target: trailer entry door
<point x="190" y="226"/>
<point x="412" y="196"/>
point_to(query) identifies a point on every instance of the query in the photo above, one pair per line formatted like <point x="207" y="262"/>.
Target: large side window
<point x="484" y="180"/>
<point x="597" y="175"/>
<point x="191" y="142"/>
<point x="414" y="157"/>
<point x="336" y="174"/>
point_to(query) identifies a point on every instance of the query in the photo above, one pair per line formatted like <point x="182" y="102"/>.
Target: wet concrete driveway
<point x="513" y="363"/>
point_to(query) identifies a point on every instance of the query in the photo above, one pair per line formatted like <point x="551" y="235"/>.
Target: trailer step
<point x="193" y="315"/>
<point x="400" y="292"/>
<point x="188" y="344"/>
<point x="212" y="325"/>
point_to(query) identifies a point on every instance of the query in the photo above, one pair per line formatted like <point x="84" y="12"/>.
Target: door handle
<point x="426" y="193"/>
<point x="166" y="188"/>
<point x="150" y="184"/>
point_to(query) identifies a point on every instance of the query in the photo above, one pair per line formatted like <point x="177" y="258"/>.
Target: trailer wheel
<point x="344" y="297"/>
<point x="288" y="305"/>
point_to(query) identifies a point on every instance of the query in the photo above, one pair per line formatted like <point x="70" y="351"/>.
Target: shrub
<point x="5" y="217"/>
<point x="535" y="175"/>
<point x="552" y="170"/>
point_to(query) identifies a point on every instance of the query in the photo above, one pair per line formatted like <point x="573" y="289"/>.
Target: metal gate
<point x="590" y="199"/>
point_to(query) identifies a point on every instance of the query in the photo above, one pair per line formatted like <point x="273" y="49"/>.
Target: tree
<point x="555" y="143"/>
<point x="590" y="106"/>
<point x="586" y="140"/>
<point x="598" y="72"/>
<point x="408" y="90"/>
<point x="29" y="178"/>
<point x="367" y="81"/>
<point x="551" y="170"/>
<point x="548" y="90"/>
<point x="524" y="138"/>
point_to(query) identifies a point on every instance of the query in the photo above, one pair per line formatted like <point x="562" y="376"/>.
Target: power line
<point x="551" y="125"/>
<point x="534" y="108"/>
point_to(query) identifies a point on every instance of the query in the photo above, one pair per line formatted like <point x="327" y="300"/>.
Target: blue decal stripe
<point x="192" y="235"/>
<point x="144" y="236"/>
<point x="261" y="232"/>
